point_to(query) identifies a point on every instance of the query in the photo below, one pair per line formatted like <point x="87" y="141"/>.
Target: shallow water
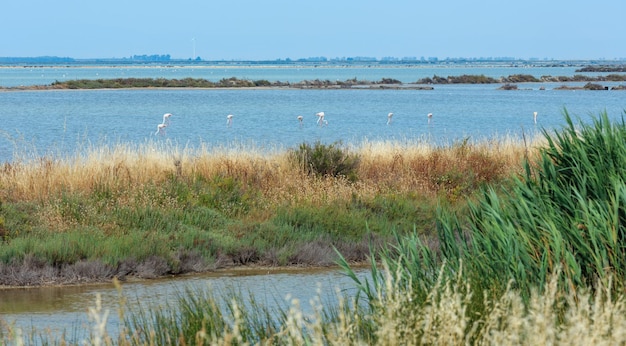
<point x="45" y="122"/>
<point x="60" y="122"/>
<point x="65" y="308"/>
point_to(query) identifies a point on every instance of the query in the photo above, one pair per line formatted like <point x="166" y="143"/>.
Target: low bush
<point x="327" y="160"/>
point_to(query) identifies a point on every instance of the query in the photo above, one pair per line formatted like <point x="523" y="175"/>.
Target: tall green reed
<point x="567" y="210"/>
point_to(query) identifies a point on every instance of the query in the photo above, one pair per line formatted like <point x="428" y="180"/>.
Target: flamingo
<point x="300" y="119"/>
<point x="535" y="116"/>
<point x="389" y="116"/>
<point x="430" y="116"/>
<point x="160" y="130"/>
<point x="229" y="119"/>
<point x="166" y="118"/>
<point x="320" y="118"/>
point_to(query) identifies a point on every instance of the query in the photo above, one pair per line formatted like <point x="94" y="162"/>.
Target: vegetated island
<point x="603" y="68"/>
<point x="354" y="83"/>
<point x="233" y="82"/>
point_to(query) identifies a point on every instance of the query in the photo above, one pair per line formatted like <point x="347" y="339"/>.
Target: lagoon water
<point x="64" y="309"/>
<point x="59" y="122"/>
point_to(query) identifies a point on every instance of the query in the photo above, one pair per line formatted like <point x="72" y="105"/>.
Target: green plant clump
<point x="327" y="160"/>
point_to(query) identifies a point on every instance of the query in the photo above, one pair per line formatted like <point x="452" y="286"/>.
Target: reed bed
<point x="566" y="212"/>
<point x="175" y="208"/>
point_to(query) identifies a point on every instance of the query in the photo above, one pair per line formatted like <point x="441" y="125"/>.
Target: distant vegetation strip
<point x="603" y="68"/>
<point x="233" y="82"/>
<point x="518" y="78"/>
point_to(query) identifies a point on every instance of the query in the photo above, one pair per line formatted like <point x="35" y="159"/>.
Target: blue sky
<point x="279" y="29"/>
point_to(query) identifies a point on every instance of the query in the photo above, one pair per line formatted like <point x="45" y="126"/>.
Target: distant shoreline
<point x="509" y="83"/>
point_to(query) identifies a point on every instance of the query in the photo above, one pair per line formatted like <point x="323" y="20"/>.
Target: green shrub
<point x="327" y="160"/>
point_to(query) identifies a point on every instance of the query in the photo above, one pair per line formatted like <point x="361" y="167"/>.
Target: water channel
<point x="64" y="309"/>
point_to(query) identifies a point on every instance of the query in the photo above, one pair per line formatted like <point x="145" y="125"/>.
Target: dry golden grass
<point x="414" y="167"/>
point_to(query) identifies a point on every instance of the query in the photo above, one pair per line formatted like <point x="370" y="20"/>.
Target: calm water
<point x="61" y="121"/>
<point x="65" y="308"/>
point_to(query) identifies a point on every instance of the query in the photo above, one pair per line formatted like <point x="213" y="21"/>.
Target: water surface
<point x="65" y="308"/>
<point x="64" y="120"/>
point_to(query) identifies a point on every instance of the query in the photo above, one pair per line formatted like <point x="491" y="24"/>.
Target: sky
<point x="281" y="29"/>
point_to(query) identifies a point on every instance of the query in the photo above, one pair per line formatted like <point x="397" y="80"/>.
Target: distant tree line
<point x="154" y="57"/>
<point x="36" y="60"/>
<point x="603" y="68"/>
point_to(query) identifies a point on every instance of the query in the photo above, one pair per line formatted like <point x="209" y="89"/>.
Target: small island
<point x="509" y="83"/>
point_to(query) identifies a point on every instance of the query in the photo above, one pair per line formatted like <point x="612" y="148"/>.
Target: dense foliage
<point x="327" y="160"/>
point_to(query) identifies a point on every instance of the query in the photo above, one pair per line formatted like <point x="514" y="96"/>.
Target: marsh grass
<point x="129" y="205"/>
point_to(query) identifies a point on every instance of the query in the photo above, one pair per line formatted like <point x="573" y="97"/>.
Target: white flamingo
<point x="160" y="130"/>
<point x="320" y="118"/>
<point x="229" y="120"/>
<point x="166" y="122"/>
<point x="166" y="118"/>
<point x="300" y="119"/>
<point x="535" y="116"/>
<point x="430" y="116"/>
<point x="389" y="116"/>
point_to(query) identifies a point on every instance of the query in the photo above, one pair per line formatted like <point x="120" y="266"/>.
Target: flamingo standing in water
<point x="300" y="119"/>
<point x="389" y="116"/>
<point x="229" y="120"/>
<point x="166" y="122"/>
<point x="166" y="118"/>
<point x="430" y="116"/>
<point x="320" y="119"/>
<point x="535" y="116"/>
<point x="160" y="130"/>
